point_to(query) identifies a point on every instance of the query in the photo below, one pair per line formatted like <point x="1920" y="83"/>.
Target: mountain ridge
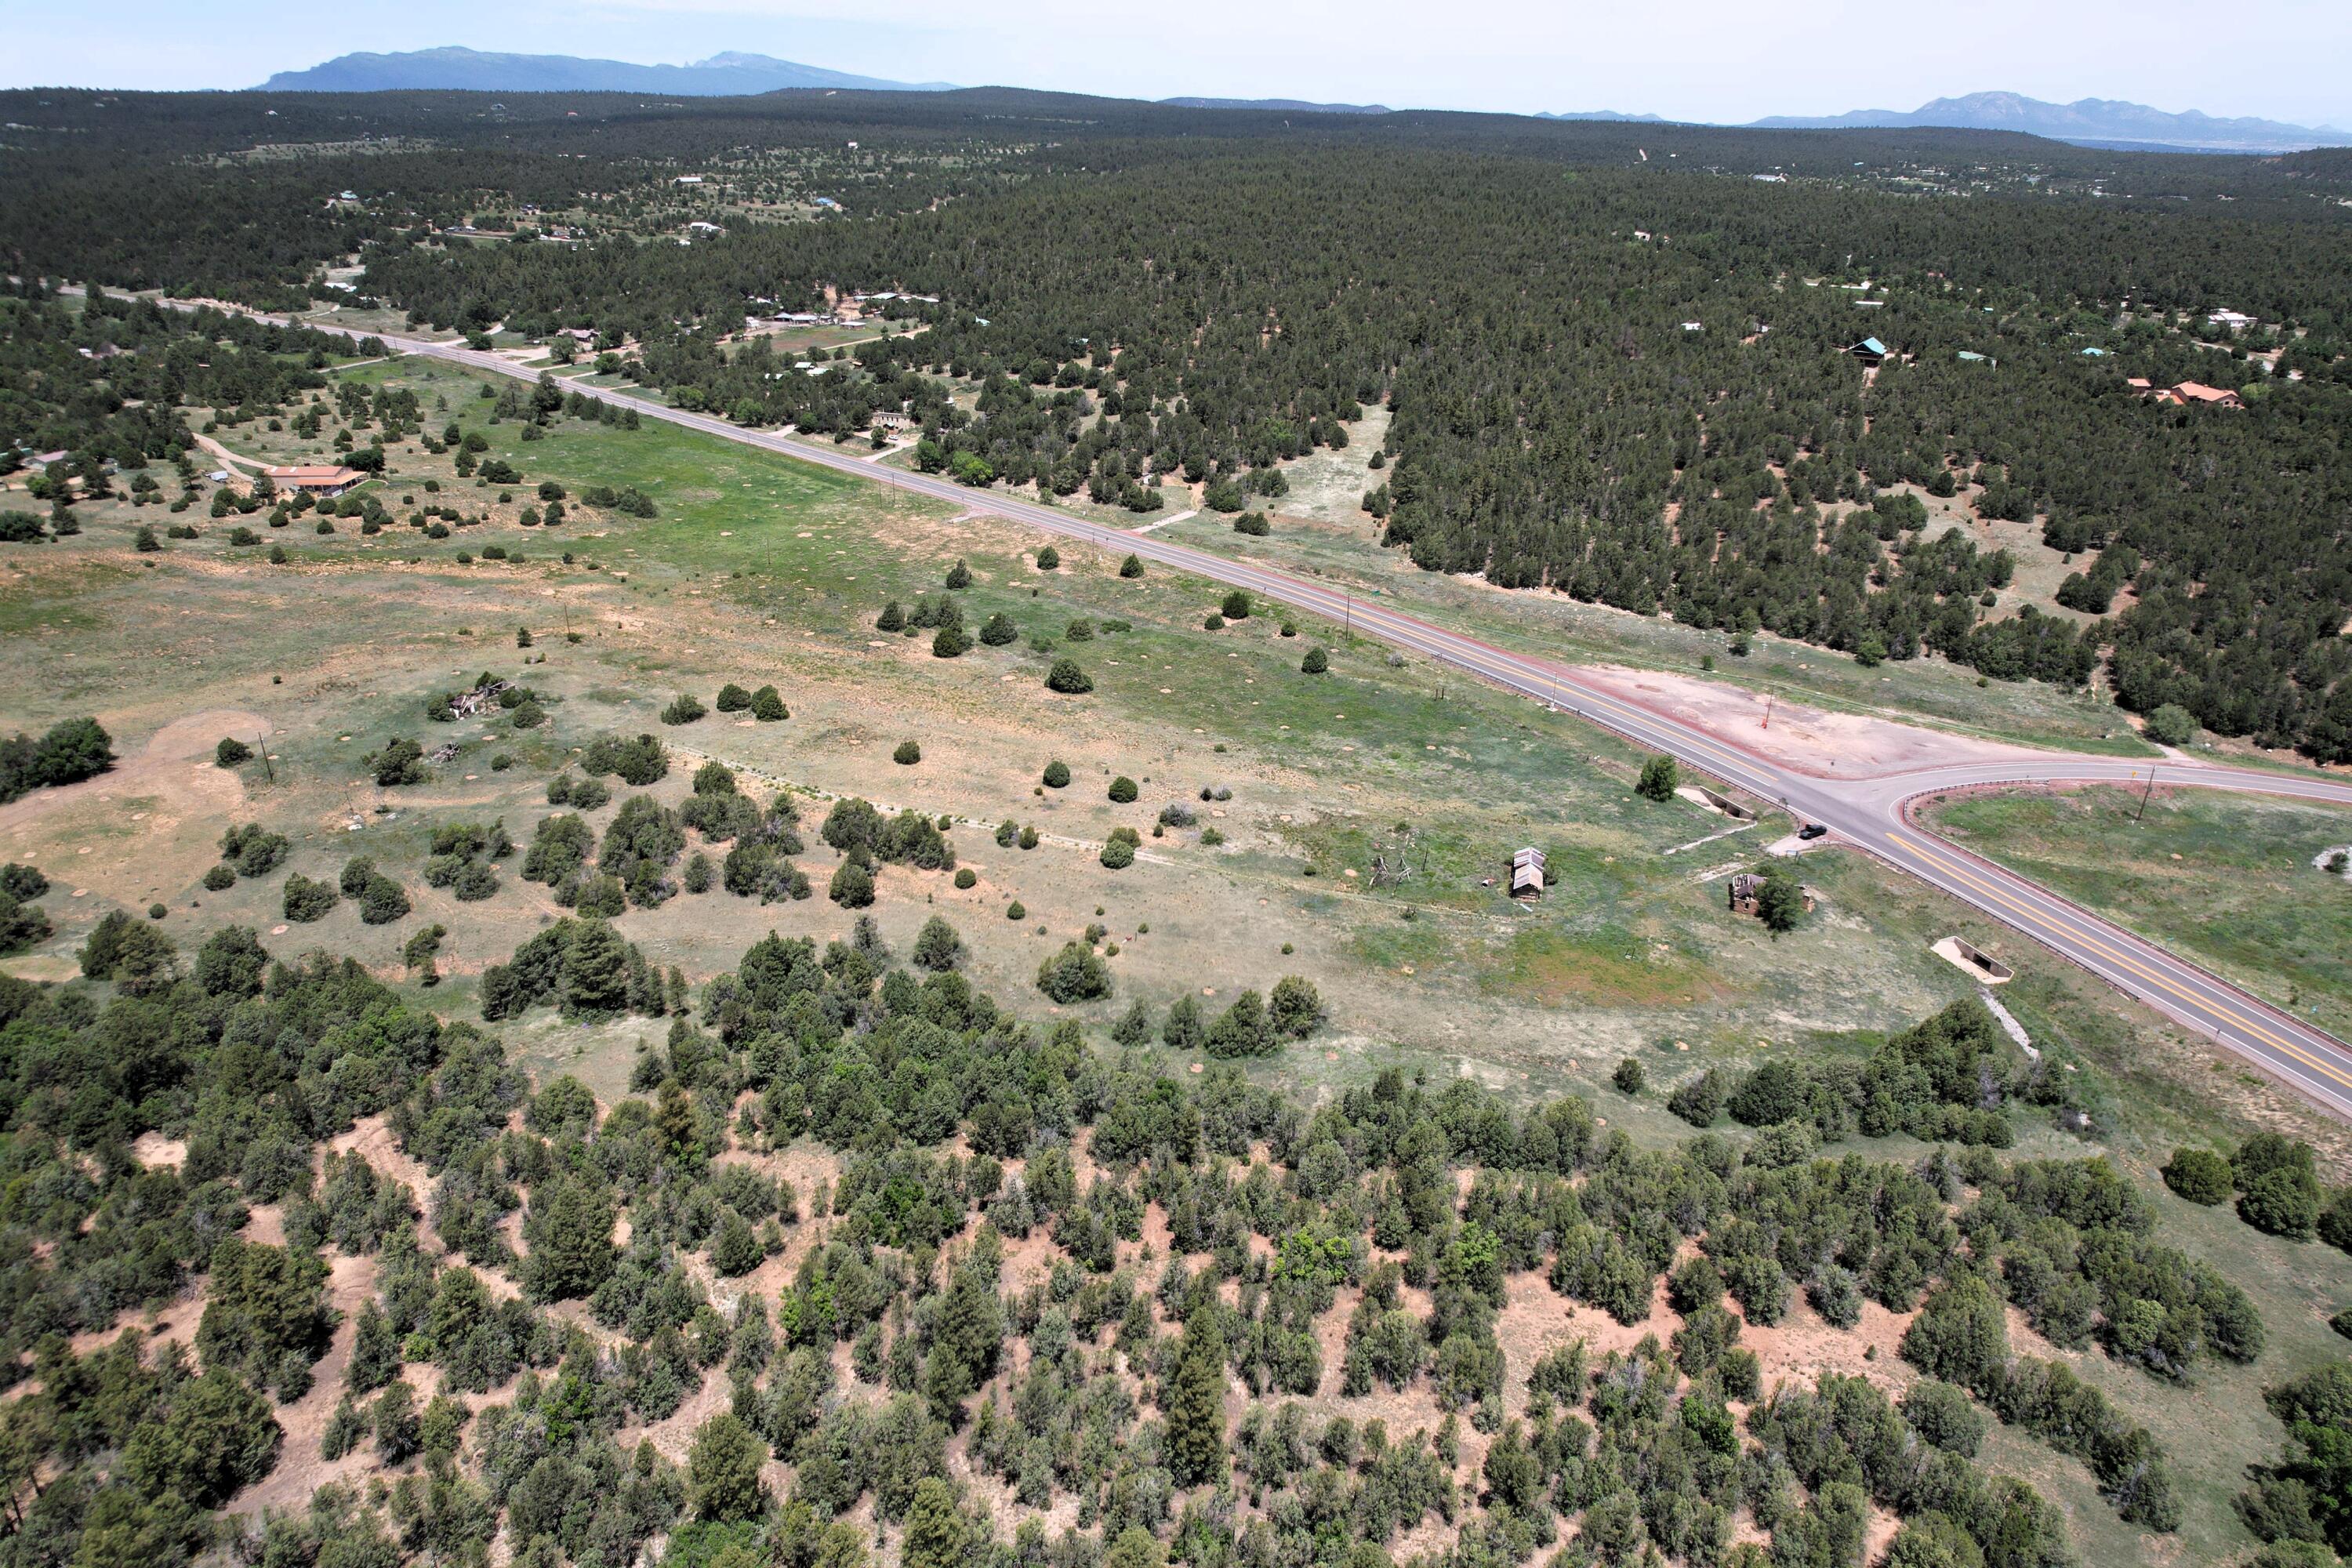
<point x="1290" y="105"/>
<point x="2094" y="121"/>
<point x="726" y="75"/>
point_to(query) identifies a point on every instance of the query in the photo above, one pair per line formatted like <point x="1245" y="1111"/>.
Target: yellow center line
<point x="2032" y="917"/>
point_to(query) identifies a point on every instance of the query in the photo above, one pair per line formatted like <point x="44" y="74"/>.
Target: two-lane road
<point x="1866" y="813"/>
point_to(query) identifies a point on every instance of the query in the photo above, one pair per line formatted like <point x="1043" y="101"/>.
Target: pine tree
<point x="596" y="971"/>
<point x="1195" y="1404"/>
<point x="937" y="1534"/>
<point x="723" y="1470"/>
<point x="569" y="1232"/>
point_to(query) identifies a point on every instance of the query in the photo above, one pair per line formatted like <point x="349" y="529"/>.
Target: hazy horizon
<point x="1707" y="61"/>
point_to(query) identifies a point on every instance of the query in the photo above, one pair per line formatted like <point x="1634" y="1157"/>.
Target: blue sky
<point x="1710" y="59"/>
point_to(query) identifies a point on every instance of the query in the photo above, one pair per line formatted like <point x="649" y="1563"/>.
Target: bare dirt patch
<point x="148" y="824"/>
<point x="1841" y="746"/>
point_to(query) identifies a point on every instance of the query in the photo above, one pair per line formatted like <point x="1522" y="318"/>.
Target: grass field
<point x="2226" y="880"/>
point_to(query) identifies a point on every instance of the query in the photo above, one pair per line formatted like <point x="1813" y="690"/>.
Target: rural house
<point x="2197" y="392"/>
<point x="1870" y="351"/>
<point x="318" y="478"/>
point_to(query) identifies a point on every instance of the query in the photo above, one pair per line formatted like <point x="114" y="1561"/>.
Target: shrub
<point x="402" y="762"/>
<point x="2276" y="1202"/>
<point x="1017" y="910"/>
<point x="2200" y="1175"/>
<point x="307" y="901"/>
<point x="1077" y="973"/>
<point x="1699" y="1100"/>
<point x="1836" y="1295"/>
<point x="1295" y="1009"/>
<point x="1122" y="789"/>
<point x="938" y="948"/>
<point x="1058" y="774"/>
<point x="1316" y="662"/>
<point x="2279" y="1186"/>
<point x="1067" y="677"/>
<point x="1243" y="1029"/>
<point x="768" y="705"/>
<point x="907" y="754"/>
<point x="1048" y="559"/>
<point x="1118" y="853"/>
<point x="733" y="698"/>
<point x="1131" y="567"/>
<point x="2171" y="725"/>
<point x="1780" y="902"/>
<point x="381" y="900"/>
<point x="951" y="641"/>
<point x="1236" y="606"/>
<point x="998" y="630"/>
<point x="1660" y="778"/>
<point x="1212" y="621"/>
<point x="684" y="710"/>
<point x="1253" y="523"/>
<point x="230" y="752"/>
<point x="1945" y="1416"/>
<point x="1630" y="1077"/>
<point x="638" y="763"/>
<point x="219" y="879"/>
<point x="254" y="853"/>
<point x="966" y="879"/>
<point x="852" y="887"/>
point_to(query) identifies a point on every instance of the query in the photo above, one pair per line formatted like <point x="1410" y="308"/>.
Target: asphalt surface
<point x="1869" y="814"/>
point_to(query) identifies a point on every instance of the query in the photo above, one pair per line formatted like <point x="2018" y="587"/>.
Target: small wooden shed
<point x="1527" y="874"/>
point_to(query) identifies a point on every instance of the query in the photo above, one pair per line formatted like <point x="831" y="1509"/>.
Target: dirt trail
<point x="234" y="459"/>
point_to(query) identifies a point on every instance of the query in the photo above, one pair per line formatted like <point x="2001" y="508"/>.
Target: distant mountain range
<point x="726" y="75"/>
<point x="1290" y="105"/>
<point x="2090" y="122"/>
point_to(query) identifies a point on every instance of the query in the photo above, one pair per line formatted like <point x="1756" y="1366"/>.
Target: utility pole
<point x="261" y="744"/>
<point x="1348" y="608"/>
<point x="2144" y="794"/>
<point x="1767" y="712"/>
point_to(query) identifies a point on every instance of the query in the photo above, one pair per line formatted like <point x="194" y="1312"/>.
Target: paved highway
<point x="1869" y="814"/>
